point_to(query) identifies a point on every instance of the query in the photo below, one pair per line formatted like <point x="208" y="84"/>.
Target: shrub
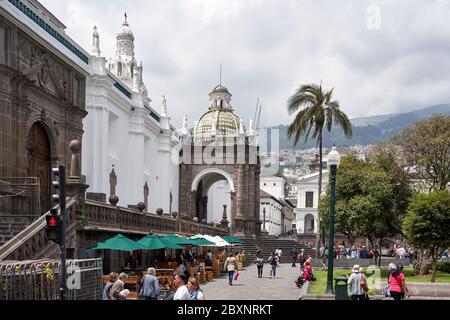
<point x="443" y="266"/>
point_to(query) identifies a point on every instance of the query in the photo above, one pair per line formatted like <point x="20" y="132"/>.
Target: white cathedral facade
<point x="123" y="131"/>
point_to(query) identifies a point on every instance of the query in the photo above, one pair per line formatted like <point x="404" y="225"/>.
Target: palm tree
<point x="317" y="109"/>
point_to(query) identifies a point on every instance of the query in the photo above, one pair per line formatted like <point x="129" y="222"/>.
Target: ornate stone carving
<point x="141" y="206"/>
<point x="42" y="68"/>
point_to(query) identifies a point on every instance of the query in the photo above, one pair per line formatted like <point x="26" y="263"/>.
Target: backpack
<point x="363" y="283"/>
<point x="274" y="261"/>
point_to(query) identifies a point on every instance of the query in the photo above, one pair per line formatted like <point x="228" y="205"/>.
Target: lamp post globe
<point x="334" y="159"/>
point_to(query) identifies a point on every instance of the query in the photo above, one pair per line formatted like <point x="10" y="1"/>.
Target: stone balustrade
<point x="32" y="242"/>
<point x="102" y="216"/>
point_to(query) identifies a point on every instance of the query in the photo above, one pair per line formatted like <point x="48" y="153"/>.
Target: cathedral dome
<point x="217" y="122"/>
<point x="125" y="30"/>
<point x="220" y="88"/>
<point x="220" y="119"/>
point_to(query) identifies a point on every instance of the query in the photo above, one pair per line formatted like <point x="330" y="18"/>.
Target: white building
<point x="273" y="185"/>
<point x="124" y="131"/>
<point x="273" y="198"/>
<point x="306" y="213"/>
<point x="271" y="211"/>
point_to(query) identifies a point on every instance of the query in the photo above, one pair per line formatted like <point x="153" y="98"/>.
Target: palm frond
<point x="342" y="120"/>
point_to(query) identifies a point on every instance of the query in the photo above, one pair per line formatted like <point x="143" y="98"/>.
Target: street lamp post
<point x="323" y="195"/>
<point x="334" y="159"/>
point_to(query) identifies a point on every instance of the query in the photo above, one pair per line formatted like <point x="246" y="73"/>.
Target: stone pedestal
<point x="75" y="188"/>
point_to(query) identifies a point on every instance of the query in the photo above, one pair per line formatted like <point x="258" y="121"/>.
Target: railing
<point x="39" y="280"/>
<point x="108" y="217"/>
<point x="33" y="239"/>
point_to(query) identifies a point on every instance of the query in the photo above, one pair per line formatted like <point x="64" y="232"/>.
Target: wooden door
<point x="39" y="164"/>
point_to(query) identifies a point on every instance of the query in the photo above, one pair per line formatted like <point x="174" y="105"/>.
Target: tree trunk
<point x="433" y="276"/>
<point x="320" y="192"/>
<point x="424" y="263"/>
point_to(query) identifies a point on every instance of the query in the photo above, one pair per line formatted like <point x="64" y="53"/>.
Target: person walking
<point x="260" y="264"/>
<point x="182" y="292"/>
<point x="230" y="266"/>
<point x="107" y="289"/>
<point x="294" y="254"/>
<point x="358" y="284"/>
<point x="397" y="285"/>
<point x="302" y="258"/>
<point x="150" y="288"/>
<point x="118" y="291"/>
<point x="194" y="289"/>
<point x="273" y="260"/>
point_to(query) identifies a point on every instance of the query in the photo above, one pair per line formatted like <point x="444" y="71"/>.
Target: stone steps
<point x="270" y="244"/>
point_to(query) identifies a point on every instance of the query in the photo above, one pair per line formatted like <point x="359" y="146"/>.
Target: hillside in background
<point x="369" y="130"/>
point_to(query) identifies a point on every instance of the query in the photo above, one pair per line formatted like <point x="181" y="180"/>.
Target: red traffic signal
<point x="52" y="222"/>
<point x="53" y="227"/>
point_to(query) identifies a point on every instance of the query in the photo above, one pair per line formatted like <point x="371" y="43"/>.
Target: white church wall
<point x="119" y="131"/>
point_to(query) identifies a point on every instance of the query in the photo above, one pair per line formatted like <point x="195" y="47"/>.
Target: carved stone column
<point x="224" y="222"/>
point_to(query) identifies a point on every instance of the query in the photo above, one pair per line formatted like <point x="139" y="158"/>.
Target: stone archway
<point x="39" y="162"/>
<point x="201" y="185"/>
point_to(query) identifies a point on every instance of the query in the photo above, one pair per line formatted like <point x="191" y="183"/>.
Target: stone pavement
<point x="250" y="287"/>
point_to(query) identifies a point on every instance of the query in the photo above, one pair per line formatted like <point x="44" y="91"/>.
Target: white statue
<point x="250" y="127"/>
<point x="184" y="130"/>
<point x="96" y="42"/>
<point x="164" y="106"/>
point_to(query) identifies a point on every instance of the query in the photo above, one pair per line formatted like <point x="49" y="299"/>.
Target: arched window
<point x="119" y="69"/>
<point x="132" y="70"/>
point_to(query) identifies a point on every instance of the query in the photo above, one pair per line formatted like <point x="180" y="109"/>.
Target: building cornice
<point x="56" y="41"/>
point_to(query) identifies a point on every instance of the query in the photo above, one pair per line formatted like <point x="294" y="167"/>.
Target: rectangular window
<point x="309" y="199"/>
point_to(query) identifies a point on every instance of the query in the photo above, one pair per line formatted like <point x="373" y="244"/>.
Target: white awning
<point x="217" y="240"/>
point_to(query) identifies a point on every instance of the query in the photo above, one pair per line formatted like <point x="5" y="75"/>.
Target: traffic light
<point x="54" y="220"/>
<point x="53" y="225"/>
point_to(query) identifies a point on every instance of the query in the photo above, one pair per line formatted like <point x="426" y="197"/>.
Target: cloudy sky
<point x="380" y="56"/>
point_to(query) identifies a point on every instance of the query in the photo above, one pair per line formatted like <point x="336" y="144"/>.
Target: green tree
<point x="364" y="202"/>
<point x="426" y="146"/>
<point x="315" y="110"/>
<point x="390" y="160"/>
<point x="427" y="226"/>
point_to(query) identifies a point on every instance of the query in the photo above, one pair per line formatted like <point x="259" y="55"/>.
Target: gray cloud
<point x="269" y="47"/>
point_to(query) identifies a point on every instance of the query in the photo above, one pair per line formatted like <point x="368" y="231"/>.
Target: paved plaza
<point x="250" y="287"/>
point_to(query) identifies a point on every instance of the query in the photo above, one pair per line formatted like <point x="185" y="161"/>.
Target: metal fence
<point x="39" y="280"/>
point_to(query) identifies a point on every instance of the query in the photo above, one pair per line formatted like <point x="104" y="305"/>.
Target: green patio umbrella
<point x="179" y="240"/>
<point x="154" y="242"/>
<point x="118" y="242"/>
